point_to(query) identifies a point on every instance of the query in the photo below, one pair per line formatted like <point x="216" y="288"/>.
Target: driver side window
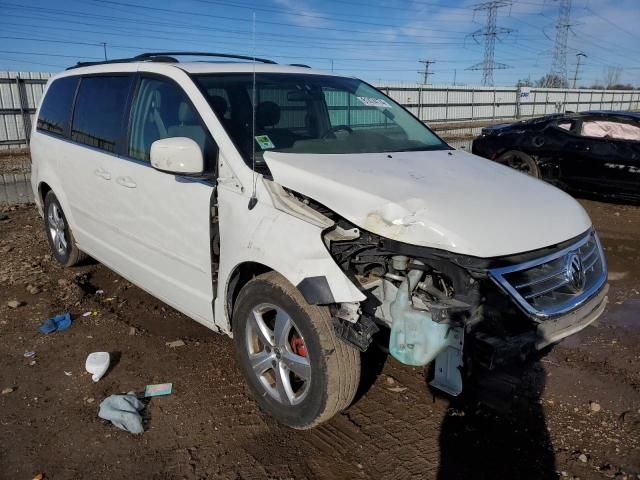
<point x="162" y="110"/>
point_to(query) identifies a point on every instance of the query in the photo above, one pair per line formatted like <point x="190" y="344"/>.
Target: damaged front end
<point x="470" y="315"/>
<point x="467" y="314"/>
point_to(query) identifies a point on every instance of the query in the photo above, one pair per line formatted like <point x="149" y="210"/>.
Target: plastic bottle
<point x="97" y="364"/>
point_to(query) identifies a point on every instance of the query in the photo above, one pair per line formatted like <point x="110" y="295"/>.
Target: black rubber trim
<point x="316" y="291"/>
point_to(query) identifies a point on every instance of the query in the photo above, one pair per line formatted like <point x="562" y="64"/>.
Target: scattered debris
<point x="29" y="354"/>
<point x="97" y="364"/>
<point x="7" y="390"/>
<point x="99" y="292"/>
<point x="68" y="374"/>
<point x="123" y="412"/>
<point x="32" y="363"/>
<point x="90" y="400"/>
<point x="86" y="314"/>
<point x="583" y="458"/>
<point x="57" y="323"/>
<point x="390" y="380"/>
<point x="175" y="344"/>
<point x="132" y="331"/>
<point x="33" y="289"/>
<point x="14" y="303"/>
<point x="595" y="407"/>
<point x="158" y="389"/>
<point x="39" y="476"/>
<point x="397" y="389"/>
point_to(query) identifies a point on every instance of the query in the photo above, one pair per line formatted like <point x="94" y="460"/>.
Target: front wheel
<point x="298" y="370"/>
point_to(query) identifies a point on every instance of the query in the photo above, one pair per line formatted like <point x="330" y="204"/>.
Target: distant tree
<point x="611" y="76"/>
<point x="552" y="81"/>
<point x="622" y="86"/>
<point x="524" y="82"/>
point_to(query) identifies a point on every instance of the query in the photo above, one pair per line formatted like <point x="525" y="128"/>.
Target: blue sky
<point x="372" y="39"/>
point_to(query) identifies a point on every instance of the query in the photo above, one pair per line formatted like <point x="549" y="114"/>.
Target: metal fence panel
<point x="20" y="93"/>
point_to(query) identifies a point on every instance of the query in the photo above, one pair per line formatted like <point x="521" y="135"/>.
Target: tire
<point x="520" y="161"/>
<point x="329" y="368"/>
<point x="61" y="240"/>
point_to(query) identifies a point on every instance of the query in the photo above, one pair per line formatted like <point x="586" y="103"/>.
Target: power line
<point x="490" y="32"/>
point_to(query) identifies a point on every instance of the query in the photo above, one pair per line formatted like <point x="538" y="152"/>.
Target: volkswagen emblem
<point x="573" y="272"/>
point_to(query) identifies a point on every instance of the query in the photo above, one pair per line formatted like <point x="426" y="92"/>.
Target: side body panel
<point x="265" y="235"/>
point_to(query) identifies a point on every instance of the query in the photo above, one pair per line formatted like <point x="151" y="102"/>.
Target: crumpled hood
<point x="444" y="199"/>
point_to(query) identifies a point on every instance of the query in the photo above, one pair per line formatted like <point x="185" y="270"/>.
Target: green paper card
<point x="265" y="142"/>
<point x="158" y="389"/>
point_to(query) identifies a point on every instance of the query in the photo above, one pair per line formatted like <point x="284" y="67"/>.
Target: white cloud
<point x="301" y="14"/>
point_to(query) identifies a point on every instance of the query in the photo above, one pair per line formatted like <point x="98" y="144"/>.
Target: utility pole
<point x="104" y="47"/>
<point x="455" y="74"/>
<point x="558" y="74"/>
<point x="575" y="75"/>
<point x="426" y="72"/>
<point x="490" y="32"/>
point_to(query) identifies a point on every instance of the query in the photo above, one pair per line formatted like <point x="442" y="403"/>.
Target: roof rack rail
<point x="169" y="57"/>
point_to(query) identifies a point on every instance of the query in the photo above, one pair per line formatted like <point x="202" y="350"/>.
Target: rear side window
<point x="56" y="106"/>
<point x="99" y="111"/>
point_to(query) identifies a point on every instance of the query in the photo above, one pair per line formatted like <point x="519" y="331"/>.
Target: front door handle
<point x="101" y="172"/>
<point x="126" y="182"/>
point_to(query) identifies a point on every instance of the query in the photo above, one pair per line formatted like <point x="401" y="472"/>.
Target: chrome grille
<point x="559" y="282"/>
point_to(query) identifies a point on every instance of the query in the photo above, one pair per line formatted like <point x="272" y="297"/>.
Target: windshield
<point x="312" y="114"/>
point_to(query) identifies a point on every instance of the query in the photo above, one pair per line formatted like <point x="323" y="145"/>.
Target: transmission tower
<point x="558" y="74"/>
<point x="490" y="32"/>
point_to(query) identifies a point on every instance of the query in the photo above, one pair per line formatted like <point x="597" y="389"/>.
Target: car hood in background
<point x="444" y="199"/>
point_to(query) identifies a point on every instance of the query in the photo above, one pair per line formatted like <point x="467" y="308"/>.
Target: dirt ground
<point x="576" y="416"/>
<point x="14" y="161"/>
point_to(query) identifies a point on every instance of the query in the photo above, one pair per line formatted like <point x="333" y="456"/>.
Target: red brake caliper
<point x="298" y="346"/>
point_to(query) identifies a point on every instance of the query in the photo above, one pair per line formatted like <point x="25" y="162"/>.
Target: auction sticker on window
<point x="265" y="142"/>
<point x="374" y="102"/>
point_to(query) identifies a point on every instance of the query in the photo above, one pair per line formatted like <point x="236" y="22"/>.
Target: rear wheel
<point x="520" y="161"/>
<point x="297" y="369"/>
<point x="63" y="245"/>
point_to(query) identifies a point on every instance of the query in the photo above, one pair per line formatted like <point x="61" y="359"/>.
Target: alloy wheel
<point x="57" y="228"/>
<point x="278" y="354"/>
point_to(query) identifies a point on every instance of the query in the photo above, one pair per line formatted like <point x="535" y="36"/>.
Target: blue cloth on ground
<point x="59" y="322"/>
<point x="123" y="412"/>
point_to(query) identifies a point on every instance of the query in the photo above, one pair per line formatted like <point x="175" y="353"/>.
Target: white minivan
<point x="308" y="215"/>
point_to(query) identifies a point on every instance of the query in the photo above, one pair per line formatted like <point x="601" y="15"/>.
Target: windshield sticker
<point x="265" y="142"/>
<point x="373" y="102"/>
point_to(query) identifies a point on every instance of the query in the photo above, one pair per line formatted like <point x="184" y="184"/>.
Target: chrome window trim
<point x="497" y="275"/>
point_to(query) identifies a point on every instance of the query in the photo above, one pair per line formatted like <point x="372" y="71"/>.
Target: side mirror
<point x="179" y="155"/>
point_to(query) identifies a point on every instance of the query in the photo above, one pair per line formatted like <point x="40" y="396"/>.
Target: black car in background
<point x="594" y="153"/>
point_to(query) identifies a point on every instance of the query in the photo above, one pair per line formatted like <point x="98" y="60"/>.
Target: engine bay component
<point x="359" y="334"/>
<point x="415" y="338"/>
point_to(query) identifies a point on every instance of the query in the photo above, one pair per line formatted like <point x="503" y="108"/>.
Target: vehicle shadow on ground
<point x="509" y="440"/>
